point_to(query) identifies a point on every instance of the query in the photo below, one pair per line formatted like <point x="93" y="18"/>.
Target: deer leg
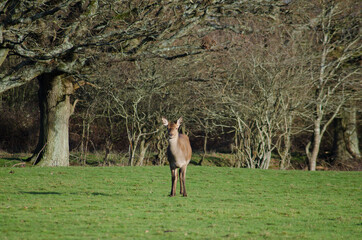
<point x="183" y="178"/>
<point x="174" y="182"/>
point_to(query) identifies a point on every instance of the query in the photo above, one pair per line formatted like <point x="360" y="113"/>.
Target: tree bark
<point x="345" y="139"/>
<point x="205" y="147"/>
<point x="143" y="149"/>
<point x="55" y="109"/>
<point x="285" y="153"/>
<point x="316" y="145"/>
<point x="109" y="146"/>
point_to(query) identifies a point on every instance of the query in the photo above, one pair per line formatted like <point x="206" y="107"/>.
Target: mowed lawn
<point x="222" y="203"/>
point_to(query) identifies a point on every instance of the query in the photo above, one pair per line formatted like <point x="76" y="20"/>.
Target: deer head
<point x="172" y="128"/>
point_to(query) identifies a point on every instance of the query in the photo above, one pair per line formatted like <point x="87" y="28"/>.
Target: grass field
<point x="223" y="203"/>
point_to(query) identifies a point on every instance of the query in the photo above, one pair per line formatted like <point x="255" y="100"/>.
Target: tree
<point x="45" y="40"/>
<point x="256" y="93"/>
<point x="55" y="110"/>
<point x="339" y="46"/>
<point x="58" y="42"/>
<point x="132" y="104"/>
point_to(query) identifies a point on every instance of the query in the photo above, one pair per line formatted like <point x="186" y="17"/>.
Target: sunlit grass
<point x="132" y="203"/>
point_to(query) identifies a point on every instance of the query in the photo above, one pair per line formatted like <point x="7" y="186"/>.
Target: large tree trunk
<point x="55" y="110"/>
<point x="346" y="139"/>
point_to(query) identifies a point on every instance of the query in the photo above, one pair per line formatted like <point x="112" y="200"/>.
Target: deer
<point x="178" y="154"/>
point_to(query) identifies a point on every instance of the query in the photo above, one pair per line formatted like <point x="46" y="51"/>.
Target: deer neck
<point x="174" y="143"/>
<point x="174" y="140"/>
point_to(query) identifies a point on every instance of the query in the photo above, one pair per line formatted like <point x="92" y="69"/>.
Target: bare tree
<point x="338" y="46"/>
<point x="135" y="104"/>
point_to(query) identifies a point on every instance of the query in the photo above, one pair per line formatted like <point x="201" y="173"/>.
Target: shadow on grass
<point x="100" y="194"/>
<point x="13" y="159"/>
<point x="92" y="193"/>
<point x="12" y="162"/>
<point x="73" y="193"/>
<point x="41" y="193"/>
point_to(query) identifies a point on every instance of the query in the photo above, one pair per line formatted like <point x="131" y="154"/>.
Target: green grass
<point x="223" y="203"/>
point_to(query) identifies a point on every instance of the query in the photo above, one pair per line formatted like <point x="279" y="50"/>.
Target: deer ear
<point x="164" y="121"/>
<point x="179" y="121"/>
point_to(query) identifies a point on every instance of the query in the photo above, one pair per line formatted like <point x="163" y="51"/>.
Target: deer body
<point x="179" y="155"/>
<point x="179" y="151"/>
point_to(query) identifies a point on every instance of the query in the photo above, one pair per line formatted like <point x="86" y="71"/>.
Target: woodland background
<point x="263" y="82"/>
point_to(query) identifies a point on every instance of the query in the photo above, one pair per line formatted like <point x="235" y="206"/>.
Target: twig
<point x="21" y="163"/>
<point x="39" y="154"/>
